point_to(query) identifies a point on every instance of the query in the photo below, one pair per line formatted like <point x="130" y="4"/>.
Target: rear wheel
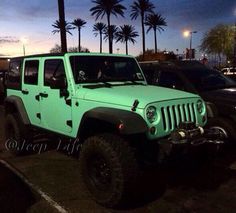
<point x="108" y="168"/>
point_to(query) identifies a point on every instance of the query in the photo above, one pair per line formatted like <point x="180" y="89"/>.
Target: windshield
<point x="207" y="79"/>
<point x="102" y="68"/>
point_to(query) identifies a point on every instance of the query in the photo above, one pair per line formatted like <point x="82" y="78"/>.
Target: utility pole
<point x="61" y="11"/>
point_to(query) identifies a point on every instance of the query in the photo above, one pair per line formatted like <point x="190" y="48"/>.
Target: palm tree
<point x="155" y="21"/>
<point x="57" y="25"/>
<point x="108" y="8"/>
<point x="126" y="33"/>
<point x="141" y="8"/>
<point x="99" y="28"/>
<point x="61" y="11"/>
<point x="110" y="33"/>
<point x="79" y="23"/>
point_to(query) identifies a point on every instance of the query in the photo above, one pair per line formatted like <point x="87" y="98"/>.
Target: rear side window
<point x="53" y="68"/>
<point x="13" y="79"/>
<point x="31" y="72"/>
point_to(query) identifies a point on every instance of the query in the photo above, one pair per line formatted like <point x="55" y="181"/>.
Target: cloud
<point x="8" y="40"/>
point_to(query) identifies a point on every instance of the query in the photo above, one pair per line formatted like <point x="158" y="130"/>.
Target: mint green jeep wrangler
<point x="104" y="102"/>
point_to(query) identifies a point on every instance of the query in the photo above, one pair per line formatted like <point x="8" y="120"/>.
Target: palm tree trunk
<point x="143" y="33"/>
<point x="219" y="59"/>
<point x="61" y="11"/>
<point x="155" y="40"/>
<point x="79" y="47"/>
<point x="100" y="42"/>
<point x="126" y="47"/>
<point x="109" y="34"/>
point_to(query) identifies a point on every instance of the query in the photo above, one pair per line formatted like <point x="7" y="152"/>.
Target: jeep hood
<point x="126" y="94"/>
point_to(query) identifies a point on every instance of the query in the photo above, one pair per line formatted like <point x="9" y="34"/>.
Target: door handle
<point x="44" y="95"/>
<point x="25" y="92"/>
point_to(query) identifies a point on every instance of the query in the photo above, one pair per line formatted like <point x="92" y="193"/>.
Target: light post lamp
<point x="189" y="34"/>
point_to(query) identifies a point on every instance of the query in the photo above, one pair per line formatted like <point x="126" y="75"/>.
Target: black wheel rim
<point x="99" y="172"/>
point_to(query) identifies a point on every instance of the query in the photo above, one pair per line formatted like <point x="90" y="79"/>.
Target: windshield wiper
<point x="135" y="82"/>
<point x="126" y="81"/>
<point x="105" y="83"/>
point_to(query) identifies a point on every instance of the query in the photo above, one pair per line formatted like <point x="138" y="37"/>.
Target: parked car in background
<point x="2" y="85"/>
<point x="216" y="89"/>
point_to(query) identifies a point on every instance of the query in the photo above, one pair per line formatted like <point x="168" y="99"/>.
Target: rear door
<point x="30" y="89"/>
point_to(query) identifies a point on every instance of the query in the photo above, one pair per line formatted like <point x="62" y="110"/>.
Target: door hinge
<point x="69" y="123"/>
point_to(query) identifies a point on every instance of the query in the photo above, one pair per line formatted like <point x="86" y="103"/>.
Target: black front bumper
<point x="189" y="136"/>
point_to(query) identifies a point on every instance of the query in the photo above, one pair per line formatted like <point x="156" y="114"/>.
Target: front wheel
<point x="108" y="168"/>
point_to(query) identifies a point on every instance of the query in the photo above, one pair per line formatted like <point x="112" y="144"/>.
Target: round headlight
<point x="151" y="114"/>
<point x="200" y="106"/>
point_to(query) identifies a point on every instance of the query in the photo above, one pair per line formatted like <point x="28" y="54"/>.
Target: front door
<point x="55" y="105"/>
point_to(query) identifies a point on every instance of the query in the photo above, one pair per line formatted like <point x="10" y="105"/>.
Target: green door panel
<point x="55" y="112"/>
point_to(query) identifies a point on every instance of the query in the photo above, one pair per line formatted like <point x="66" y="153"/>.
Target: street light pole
<point x="24" y="49"/>
<point x="24" y="41"/>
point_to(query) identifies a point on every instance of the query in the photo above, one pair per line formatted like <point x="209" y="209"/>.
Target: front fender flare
<point x="132" y="122"/>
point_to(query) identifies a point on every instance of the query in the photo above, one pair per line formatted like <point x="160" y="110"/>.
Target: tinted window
<point x="13" y="79"/>
<point x="170" y="80"/>
<point x="53" y="68"/>
<point x="31" y="72"/>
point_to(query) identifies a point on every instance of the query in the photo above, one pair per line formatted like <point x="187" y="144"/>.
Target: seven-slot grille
<point x="173" y="115"/>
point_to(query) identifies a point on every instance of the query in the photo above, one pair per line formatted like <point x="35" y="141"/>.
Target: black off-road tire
<point x="108" y="169"/>
<point x="15" y="134"/>
<point x="225" y="126"/>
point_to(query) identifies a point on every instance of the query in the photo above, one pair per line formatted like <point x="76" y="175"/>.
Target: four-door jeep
<point x="104" y="102"/>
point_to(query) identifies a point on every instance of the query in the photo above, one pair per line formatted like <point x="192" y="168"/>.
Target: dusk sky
<point x="32" y="20"/>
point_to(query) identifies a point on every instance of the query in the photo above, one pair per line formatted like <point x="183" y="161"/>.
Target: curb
<point x="35" y="188"/>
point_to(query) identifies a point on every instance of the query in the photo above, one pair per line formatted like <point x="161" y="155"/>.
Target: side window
<point x="53" y="68"/>
<point x="13" y="79"/>
<point x="170" y="80"/>
<point x="31" y="72"/>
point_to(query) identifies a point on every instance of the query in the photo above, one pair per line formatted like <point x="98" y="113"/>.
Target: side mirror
<point x="58" y="83"/>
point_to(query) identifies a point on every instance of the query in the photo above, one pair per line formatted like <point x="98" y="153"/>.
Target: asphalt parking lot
<point x="179" y="187"/>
